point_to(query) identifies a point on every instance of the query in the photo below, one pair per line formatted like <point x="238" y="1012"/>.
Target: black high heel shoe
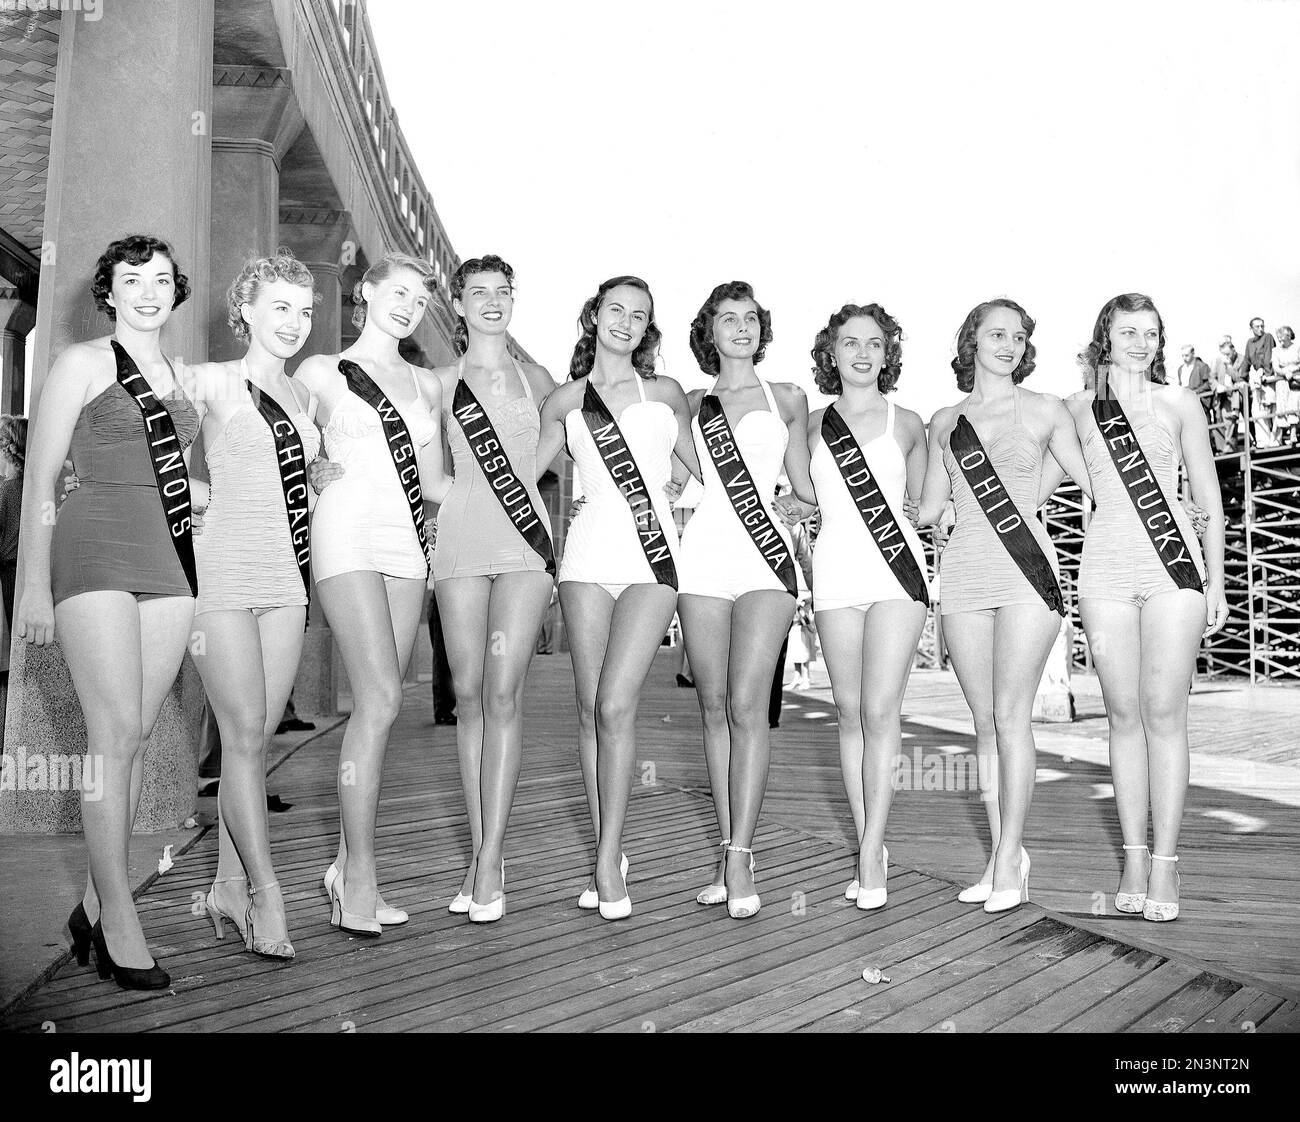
<point x="128" y="977"/>
<point x="79" y="925"/>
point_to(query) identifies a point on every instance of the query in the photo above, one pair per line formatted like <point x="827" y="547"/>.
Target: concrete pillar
<point x="130" y="152"/>
<point x="17" y="318"/>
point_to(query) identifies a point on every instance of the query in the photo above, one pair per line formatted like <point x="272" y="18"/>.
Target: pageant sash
<point x="623" y="470"/>
<point x="881" y="524"/>
<point x="167" y="456"/>
<point x="492" y="460"/>
<point x="292" y="463"/>
<point x="1144" y="492"/>
<point x="1002" y="514"/>
<point x="400" y="445"/>
<point x="738" y="484"/>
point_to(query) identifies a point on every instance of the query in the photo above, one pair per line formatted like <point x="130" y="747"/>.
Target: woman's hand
<point x="1200" y="518"/>
<point x="912" y="512"/>
<point x="1216" y="610"/>
<point x="322" y="472"/>
<point x="576" y="507"/>
<point x="792" y="510"/>
<point x="673" y="489"/>
<point x="34" y="618"/>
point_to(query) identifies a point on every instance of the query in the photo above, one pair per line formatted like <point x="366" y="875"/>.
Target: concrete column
<point x="130" y="152"/>
<point x="17" y="318"/>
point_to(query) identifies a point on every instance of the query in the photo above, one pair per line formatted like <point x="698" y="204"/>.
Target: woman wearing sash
<point x="252" y="551"/>
<point x="869" y="576"/>
<point x="368" y="548"/>
<point x="737" y="572"/>
<point x="493" y="565"/>
<point x="114" y="578"/>
<point x="1146" y="596"/>
<point x="618" y="576"/>
<point x="1001" y="602"/>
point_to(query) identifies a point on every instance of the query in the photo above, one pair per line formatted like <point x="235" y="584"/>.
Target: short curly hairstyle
<point x="826" y="373"/>
<point x="584" y="351"/>
<point x="13" y="439"/>
<point x="283" y="265"/>
<point x="963" y="365"/>
<point x="702" y="345"/>
<point x="384" y="268"/>
<point x="134" y="249"/>
<point x="488" y="263"/>
<point x="1095" y="357"/>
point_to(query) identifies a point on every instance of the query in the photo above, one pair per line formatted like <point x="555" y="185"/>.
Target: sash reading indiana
<point x="1144" y="492"/>
<point x="739" y="487"/>
<point x="400" y="445"/>
<point x="492" y="460"/>
<point x="1007" y="523"/>
<point x="881" y="524"/>
<point x="293" y="475"/>
<point x="623" y="470"/>
<point x="168" y="460"/>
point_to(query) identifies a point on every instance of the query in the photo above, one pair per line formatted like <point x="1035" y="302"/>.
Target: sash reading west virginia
<point x="293" y="475"/>
<point x="1002" y="513"/>
<point x="168" y="460"/>
<point x="1152" y="509"/>
<point x="496" y="467"/>
<point x="881" y="524"/>
<point x="739" y="487"/>
<point x="623" y="470"/>
<point x="400" y="445"/>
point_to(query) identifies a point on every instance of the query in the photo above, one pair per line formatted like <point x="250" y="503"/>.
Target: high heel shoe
<point x="746" y="906"/>
<point x="1157" y="911"/>
<point x="267" y="948"/>
<point x="1008" y="898"/>
<point x="618" y="909"/>
<point x="589" y="898"/>
<point x="490" y="913"/>
<point x="976" y="893"/>
<point x="348" y="921"/>
<point x="869" y="899"/>
<point x="388" y="917"/>
<point x="218" y="917"/>
<point x="128" y="977"/>
<point x="715" y="893"/>
<point x="80" y="926"/>
<point x="1131" y="902"/>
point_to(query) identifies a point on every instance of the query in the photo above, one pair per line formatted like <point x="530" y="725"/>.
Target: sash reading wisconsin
<point x="289" y="458"/>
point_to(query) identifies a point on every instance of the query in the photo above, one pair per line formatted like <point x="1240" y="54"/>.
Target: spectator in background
<point x="1259" y="372"/>
<point x="1229" y="377"/>
<point x="13" y="457"/>
<point x="1194" y="373"/>
<point x="1286" y="385"/>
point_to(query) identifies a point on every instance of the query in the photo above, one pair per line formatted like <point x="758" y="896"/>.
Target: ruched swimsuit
<point x="245" y="554"/>
<point x="718" y="556"/>
<point x="363" y="520"/>
<point x="1119" y="560"/>
<point x="849" y="571"/>
<point x="111" y="532"/>
<point x="475" y="535"/>
<point x="976" y="571"/>
<point x="603" y="546"/>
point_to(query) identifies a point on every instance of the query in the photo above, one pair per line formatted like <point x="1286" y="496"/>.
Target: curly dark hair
<point x="488" y="263"/>
<point x="134" y="249"/>
<point x="827" y="374"/>
<point x="584" y="351"/>
<point x="964" y="364"/>
<point x="1095" y="357"/>
<point x="702" y="345"/>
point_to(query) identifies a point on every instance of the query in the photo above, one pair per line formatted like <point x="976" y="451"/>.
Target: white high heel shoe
<point x="490" y="913"/>
<point x="976" y="893"/>
<point x="388" y="917"/>
<point x="618" y="909"/>
<point x="1008" y="898"/>
<point x="1157" y="911"/>
<point x="589" y="898"/>
<point x="869" y="899"/>
<point x="745" y="906"/>
<point x="715" y="893"/>
<point x="1131" y="902"/>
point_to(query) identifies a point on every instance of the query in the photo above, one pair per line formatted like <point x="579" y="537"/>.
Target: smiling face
<point x="279" y="318"/>
<point x="1000" y="342"/>
<point x="622" y="319"/>
<point x="397" y="303"/>
<point x="143" y="295"/>
<point x="487" y="303"/>
<point x="737" y="331"/>
<point x="1134" y="340"/>
<point x="860" y="351"/>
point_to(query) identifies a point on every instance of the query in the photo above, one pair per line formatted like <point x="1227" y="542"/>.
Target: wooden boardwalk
<point x="1229" y="962"/>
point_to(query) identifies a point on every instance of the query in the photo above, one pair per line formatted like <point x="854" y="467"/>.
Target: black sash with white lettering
<point x="739" y="487"/>
<point x="623" y="470"/>
<point x="492" y="460"/>
<point x="167" y="457"/>
<point x="400" y="445"/>
<point x="292" y="463"/>
<point x="1002" y="514"/>
<point x="881" y="524"/>
<point x="1142" y="489"/>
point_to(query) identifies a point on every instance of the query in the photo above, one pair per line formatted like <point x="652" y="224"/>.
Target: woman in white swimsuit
<point x="618" y="578"/>
<point x="368" y="548"/>
<point x="738" y="573"/>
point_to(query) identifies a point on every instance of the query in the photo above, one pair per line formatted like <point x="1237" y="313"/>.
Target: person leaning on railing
<point x="1286" y="385"/>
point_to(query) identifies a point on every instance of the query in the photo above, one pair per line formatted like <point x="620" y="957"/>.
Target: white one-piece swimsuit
<point x="719" y="558"/>
<point x="603" y="546"/>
